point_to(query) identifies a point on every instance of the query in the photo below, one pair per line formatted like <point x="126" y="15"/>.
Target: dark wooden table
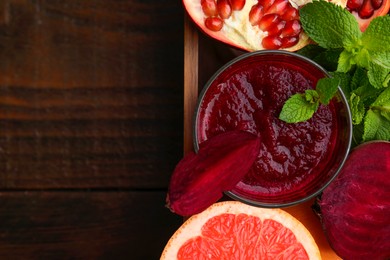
<point x="91" y="127"/>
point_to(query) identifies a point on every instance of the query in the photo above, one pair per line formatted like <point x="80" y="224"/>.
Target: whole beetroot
<point x="355" y="207"/>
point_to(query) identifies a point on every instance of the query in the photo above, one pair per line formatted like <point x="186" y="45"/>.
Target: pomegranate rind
<point x="355" y="207"/>
<point x="237" y="30"/>
<point x="382" y="11"/>
<point x="192" y="226"/>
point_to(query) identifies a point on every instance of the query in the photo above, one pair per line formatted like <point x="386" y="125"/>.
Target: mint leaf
<point x="345" y="82"/>
<point x="379" y="69"/>
<point x="377" y="120"/>
<point x="367" y="94"/>
<point x="377" y="37"/>
<point x="357" y="134"/>
<point x="311" y="95"/>
<point x="376" y="127"/>
<point x="359" y="79"/>
<point x="382" y="58"/>
<point x="311" y="50"/>
<point x="328" y="59"/>
<point x="361" y="86"/>
<point x="352" y="55"/>
<point x="330" y="25"/>
<point x="386" y="114"/>
<point x="379" y="76"/>
<point x="361" y="57"/>
<point x="298" y="108"/>
<point x="327" y="88"/>
<point x="346" y="61"/>
<point x="357" y="109"/>
<point x="383" y="100"/>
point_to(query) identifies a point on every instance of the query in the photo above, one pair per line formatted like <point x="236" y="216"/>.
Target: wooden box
<point x="203" y="56"/>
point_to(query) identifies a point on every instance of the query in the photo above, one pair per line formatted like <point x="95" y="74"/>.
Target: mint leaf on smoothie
<point x="300" y="107"/>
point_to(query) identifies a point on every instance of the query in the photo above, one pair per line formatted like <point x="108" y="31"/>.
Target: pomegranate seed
<point x="209" y="7"/>
<point x="277" y="7"/>
<point x="272" y="42"/>
<point x="255" y="14"/>
<point x="265" y="3"/>
<point x="354" y="4"/>
<point x="376" y="4"/>
<point x="292" y="28"/>
<point x="237" y="4"/>
<point x="367" y="10"/>
<point x="268" y="20"/>
<point x="224" y="9"/>
<point x="213" y="23"/>
<point x="291" y="13"/>
<point x="289" y="41"/>
<point x="276" y="28"/>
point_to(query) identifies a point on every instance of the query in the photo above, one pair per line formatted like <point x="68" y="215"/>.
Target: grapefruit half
<point x="233" y="230"/>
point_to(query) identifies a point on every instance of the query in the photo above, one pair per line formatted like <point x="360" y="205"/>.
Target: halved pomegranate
<point x="251" y="24"/>
<point x="268" y="24"/>
<point x="366" y="10"/>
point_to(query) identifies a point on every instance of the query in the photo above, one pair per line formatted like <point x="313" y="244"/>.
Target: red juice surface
<point x="250" y="96"/>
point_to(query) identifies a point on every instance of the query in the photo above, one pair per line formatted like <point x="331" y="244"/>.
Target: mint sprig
<point x="332" y="26"/>
<point x="377" y="120"/>
<point x="359" y="60"/>
<point x="301" y="106"/>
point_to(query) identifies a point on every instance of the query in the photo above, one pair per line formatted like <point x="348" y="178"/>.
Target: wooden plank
<point x="84" y="225"/>
<point x="191" y="66"/>
<point x="90" y="93"/>
<point x="203" y="57"/>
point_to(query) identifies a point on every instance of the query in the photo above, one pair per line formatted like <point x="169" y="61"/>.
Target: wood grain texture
<point x="84" y="225"/>
<point x="91" y="126"/>
<point x="90" y="93"/>
<point x="191" y="72"/>
<point x="203" y="57"/>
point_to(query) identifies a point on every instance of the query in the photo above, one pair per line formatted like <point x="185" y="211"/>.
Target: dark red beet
<point x="355" y="208"/>
<point x="200" y="179"/>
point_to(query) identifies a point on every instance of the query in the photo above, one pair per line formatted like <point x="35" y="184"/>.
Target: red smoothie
<point x="250" y="96"/>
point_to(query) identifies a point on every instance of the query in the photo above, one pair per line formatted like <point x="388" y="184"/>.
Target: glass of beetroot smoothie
<point x="296" y="161"/>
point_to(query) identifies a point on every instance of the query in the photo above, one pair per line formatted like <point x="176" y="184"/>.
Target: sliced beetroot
<point x="355" y="207"/>
<point x="200" y="179"/>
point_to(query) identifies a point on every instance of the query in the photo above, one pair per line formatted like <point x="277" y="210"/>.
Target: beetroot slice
<point x="355" y="207"/>
<point x="200" y="179"/>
